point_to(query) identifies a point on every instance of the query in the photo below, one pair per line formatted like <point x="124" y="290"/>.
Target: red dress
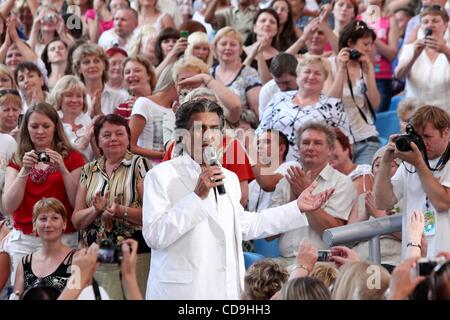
<point x="47" y="183"/>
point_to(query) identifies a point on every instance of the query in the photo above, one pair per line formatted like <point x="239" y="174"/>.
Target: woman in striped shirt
<point x="109" y="199"/>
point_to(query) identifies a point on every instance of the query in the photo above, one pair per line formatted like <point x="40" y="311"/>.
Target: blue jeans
<point x="385" y="88"/>
<point x="364" y="151"/>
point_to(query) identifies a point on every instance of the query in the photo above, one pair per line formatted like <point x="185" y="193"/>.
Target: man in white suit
<point x="195" y="234"/>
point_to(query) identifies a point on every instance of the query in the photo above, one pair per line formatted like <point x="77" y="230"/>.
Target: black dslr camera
<point x="43" y="157"/>
<point x="402" y="143"/>
<point x="354" y="54"/>
<point x="109" y="252"/>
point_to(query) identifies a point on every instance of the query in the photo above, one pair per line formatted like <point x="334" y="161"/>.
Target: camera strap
<point x="369" y="105"/>
<point x="96" y="289"/>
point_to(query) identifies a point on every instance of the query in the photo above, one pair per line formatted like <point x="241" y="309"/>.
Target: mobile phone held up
<point x="184" y="34"/>
<point x="323" y="255"/>
<point x="19" y="120"/>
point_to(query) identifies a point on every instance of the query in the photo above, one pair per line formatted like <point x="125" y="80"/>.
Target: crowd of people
<point x="145" y="144"/>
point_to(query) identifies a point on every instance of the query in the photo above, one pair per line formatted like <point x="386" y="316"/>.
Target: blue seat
<point x="387" y="123"/>
<point x="268" y="249"/>
<point x="250" y="258"/>
<point x="394" y="102"/>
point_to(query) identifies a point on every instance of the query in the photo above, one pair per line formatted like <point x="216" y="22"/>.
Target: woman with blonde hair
<point x="199" y="47"/>
<point x="243" y="80"/>
<point x="305" y="288"/>
<point x="45" y="164"/>
<point x="47" y="25"/>
<point x="90" y="64"/>
<point x="69" y="98"/>
<point x="143" y="43"/>
<point x="149" y="12"/>
<point x="361" y="280"/>
<point x="6" y="78"/>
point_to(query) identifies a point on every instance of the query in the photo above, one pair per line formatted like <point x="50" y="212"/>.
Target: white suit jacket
<point x="187" y="239"/>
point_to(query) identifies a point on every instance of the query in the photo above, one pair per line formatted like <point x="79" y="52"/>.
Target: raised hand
<point x="100" y="202"/>
<point x="29" y="159"/>
<point x="306" y="255"/>
<point x="437" y="44"/>
<point x="113" y="210"/>
<point x="56" y="159"/>
<point x="298" y="179"/>
<point x="207" y="181"/>
<point x="341" y="255"/>
<point x="416" y="226"/>
<point x="309" y="202"/>
<point x="403" y="282"/>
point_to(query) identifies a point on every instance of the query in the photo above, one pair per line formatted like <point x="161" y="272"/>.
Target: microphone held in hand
<point x="211" y="158"/>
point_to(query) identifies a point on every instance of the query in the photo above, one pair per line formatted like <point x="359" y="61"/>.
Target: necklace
<point x="39" y="176"/>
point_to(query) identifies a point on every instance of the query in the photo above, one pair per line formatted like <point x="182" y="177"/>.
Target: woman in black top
<point x="50" y="265"/>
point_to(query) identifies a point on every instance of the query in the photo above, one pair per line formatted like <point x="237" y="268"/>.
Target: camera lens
<point x="106" y="252"/>
<point x="43" y="157"/>
<point x="402" y="143"/>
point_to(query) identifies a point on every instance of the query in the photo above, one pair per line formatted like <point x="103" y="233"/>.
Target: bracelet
<point x="414" y="244"/>
<point x="302" y="266"/>
<point x="23" y="175"/>
<point x="207" y="82"/>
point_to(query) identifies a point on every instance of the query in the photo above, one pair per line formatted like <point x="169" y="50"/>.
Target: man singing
<point x="194" y="232"/>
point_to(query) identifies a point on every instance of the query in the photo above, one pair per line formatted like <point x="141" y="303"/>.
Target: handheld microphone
<point x="211" y="158"/>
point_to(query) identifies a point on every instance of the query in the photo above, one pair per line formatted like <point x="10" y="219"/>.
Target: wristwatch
<point x="414" y="244"/>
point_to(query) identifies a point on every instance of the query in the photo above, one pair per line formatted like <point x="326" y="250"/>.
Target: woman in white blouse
<point x="288" y="111"/>
<point x="69" y="98"/>
<point x="426" y="63"/>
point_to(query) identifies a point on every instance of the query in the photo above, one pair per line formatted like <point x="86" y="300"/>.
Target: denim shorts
<point x="364" y="150"/>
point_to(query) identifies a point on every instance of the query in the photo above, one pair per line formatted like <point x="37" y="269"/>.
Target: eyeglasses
<point x="9" y="91"/>
<point x="433" y="7"/>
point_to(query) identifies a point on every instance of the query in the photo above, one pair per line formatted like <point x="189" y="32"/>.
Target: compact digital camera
<point x="425" y="266"/>
<point x="402" y="143"/>
<point x="323" y="255"/>
<point x="43" y="157"/>
<point x="50" y="18"/>
<point x="354" y="54"/>
<point x="109" y="252"/>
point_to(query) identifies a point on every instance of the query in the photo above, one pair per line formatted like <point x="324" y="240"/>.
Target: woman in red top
<point x="44" y="165"/>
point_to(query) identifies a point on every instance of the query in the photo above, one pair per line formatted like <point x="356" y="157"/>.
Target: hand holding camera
<point x="306" y="255"/>
<point x="402" y="283"/>
<point x="410" y="147"/>
<point x="341" y="255"/>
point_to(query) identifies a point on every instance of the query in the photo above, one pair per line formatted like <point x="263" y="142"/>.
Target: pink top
<point x="103" y="25"/>
<point x="383" y="67"/>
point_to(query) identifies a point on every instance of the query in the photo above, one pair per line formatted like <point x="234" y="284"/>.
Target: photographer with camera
<point x="425" y="64"/>
<point x="355" y="83"/>
<point x="44" y="165"/>
<point x="82" y="286"/>
<point x="422" y="184"/>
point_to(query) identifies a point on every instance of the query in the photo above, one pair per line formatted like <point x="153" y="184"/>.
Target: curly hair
<point x="263" y="279"/>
